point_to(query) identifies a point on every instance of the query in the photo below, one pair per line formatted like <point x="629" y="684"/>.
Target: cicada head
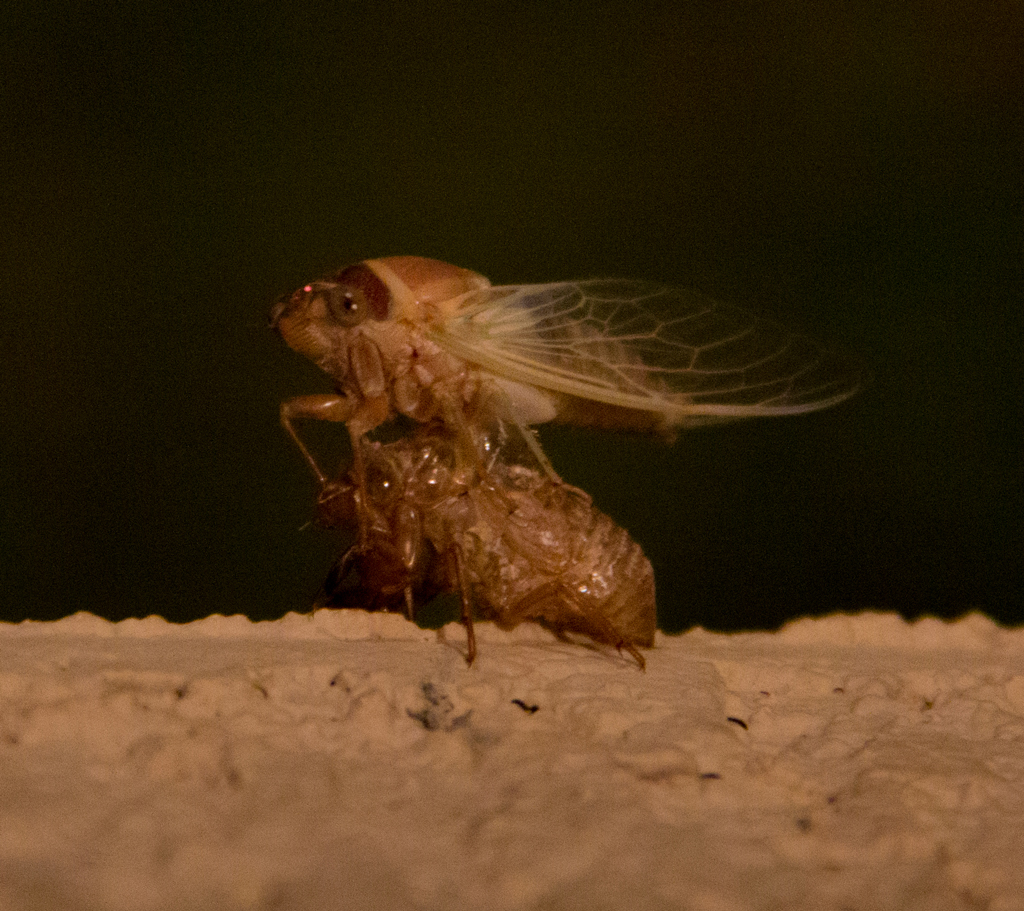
<point x="321" y="319"/>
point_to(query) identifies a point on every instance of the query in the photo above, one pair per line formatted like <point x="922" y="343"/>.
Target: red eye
<point x="366" y="289"/>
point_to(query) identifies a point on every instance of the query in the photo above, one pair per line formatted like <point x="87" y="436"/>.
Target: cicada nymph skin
<point x="514" y="544"/>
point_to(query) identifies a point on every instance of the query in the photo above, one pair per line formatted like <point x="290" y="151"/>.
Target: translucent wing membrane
<point x="644" y="346"/>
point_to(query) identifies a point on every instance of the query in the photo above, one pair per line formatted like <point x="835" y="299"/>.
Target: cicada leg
<point x="533" y="444"/>
<point x="359" y="476"/>
<point x="334" y="578"/>
<point x="340" y="410"/>
<point x="334" y="408"/>
<point x="466" y="598"/>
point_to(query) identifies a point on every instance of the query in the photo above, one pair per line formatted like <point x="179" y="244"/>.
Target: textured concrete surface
<point x="349" y="760"/>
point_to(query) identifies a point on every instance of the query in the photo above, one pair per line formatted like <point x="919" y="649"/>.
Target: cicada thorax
<point x="422" y="289"/>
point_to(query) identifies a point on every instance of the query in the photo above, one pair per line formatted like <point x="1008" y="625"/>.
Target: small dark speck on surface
<point x="337" y="680"/>
<point x="439" y="712"/>
<point x="738" y="721"/>
<point x="526" y="707"/>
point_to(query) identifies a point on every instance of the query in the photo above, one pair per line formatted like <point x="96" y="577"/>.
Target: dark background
<point x="853" y="168"/>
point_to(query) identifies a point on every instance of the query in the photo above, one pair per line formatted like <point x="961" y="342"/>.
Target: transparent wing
<point x="647" y="347"/>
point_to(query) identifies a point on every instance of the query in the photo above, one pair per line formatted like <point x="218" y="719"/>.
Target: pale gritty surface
<point x="349" y="760"/>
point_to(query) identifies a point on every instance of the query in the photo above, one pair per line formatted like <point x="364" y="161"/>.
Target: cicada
<point x="438" y="345"/>
<point x="512" y="542"/>
<point x="418" y="337"/>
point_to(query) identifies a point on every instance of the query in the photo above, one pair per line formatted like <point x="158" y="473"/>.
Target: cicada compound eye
<point x="345" y="306"/>
<point x="353" y="295"/>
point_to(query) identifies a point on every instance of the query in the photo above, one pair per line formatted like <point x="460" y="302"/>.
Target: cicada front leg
<point x="335" y="408"/>
<point x="338" y="409"/>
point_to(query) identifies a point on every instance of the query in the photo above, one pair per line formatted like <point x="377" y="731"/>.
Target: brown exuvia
<point x="513" y="543"/>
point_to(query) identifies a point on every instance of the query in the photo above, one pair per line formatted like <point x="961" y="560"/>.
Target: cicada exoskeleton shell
<point x="513" y="544"/>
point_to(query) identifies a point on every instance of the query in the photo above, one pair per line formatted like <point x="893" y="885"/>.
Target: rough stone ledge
<point x="352" y="760"/>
